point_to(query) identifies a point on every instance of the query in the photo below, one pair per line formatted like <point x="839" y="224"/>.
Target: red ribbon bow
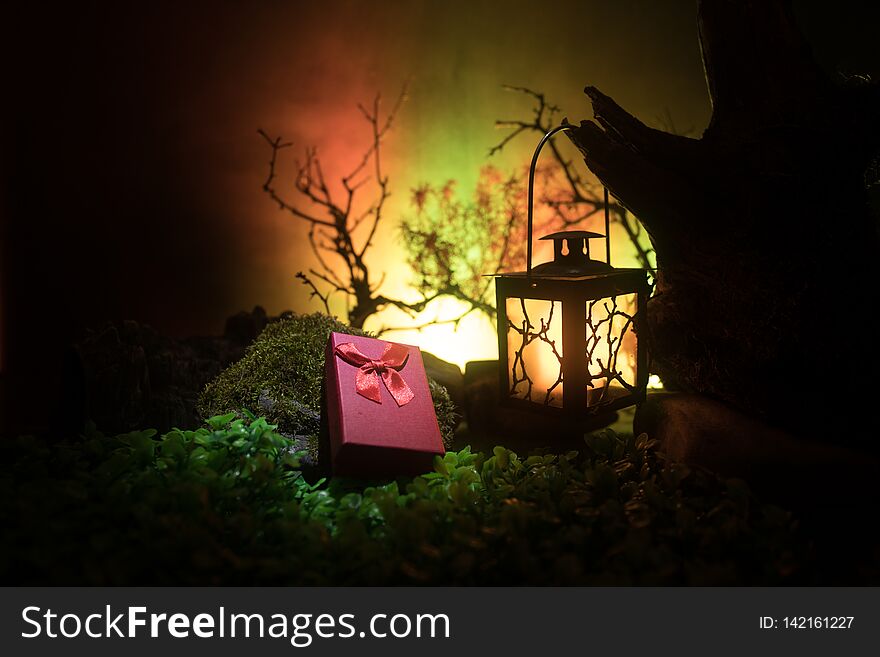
<point x="369" y="371"/>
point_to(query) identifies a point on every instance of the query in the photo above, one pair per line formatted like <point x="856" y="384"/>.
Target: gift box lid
<point x="380" y="414"/>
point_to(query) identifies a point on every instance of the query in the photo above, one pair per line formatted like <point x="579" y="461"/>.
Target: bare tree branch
<point x="269" y="187"/>
<point x="315" y="291"/>
<point x="332" y="224"/>
<point x="450" y="250"/>
<point x="578" y="191"/>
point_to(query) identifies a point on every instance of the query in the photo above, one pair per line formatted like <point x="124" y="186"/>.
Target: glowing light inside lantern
<point x="535" y="356"/>
<point x="534" y="349"/>
<point x="611" y="347"/>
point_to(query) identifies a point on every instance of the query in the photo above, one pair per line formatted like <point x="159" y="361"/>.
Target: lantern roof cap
<point x="572" y="234"/>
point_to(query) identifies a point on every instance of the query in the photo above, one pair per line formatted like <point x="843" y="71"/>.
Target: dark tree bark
<point x="767" y="249"/>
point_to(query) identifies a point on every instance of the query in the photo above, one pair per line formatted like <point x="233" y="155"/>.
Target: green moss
<point x="280" y="377"/>
<point x="447" y="417"/>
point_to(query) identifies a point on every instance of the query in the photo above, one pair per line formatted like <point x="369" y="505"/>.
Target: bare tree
<point x="578" y="198"/>
<point x="452" y="244"/>
<point x="343" y="227"/>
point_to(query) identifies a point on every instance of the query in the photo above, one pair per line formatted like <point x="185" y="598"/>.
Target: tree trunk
<point x="766" y="245"/>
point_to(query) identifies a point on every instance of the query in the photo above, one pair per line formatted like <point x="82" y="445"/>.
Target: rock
<point x="446" y="374"/>
<point x="244" y="327"/>
<point x="308" y="455"/>
<point x="780" y="467"/>
<point x="301" y="420"/>
<point x="127" y="376"/>
<point x="115" y="376"/>
<point x="480" y="391"/>
<point x="490" y="424"/>
<point x="266" y="403"/>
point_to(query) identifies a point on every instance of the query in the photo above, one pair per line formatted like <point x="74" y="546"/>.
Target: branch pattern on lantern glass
<point x="534" y="350"/>
<point x="610" y="348"/>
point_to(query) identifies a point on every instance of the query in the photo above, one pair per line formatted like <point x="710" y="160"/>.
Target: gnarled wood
<point x="765" y="243"/>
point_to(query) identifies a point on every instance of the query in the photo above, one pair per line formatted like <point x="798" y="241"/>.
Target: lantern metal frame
<point x="573" y="287"/>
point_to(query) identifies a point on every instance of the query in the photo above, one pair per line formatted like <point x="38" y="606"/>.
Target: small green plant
<point x="229" y="504"/>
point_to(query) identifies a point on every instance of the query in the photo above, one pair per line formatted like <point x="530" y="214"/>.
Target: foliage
<point x="229" y="505"/>
<point x="452" y="243"/>
<point x="280" y="377"/>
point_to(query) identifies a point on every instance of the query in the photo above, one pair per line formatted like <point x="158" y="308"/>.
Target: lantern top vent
<point x="571" y="255"/>
<point x="571" y="234"/>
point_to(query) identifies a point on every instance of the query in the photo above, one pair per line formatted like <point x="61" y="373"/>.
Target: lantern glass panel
<point x="610" y="348"/>
<point x="534" y="350"/>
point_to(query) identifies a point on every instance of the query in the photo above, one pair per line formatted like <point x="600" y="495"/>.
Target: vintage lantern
<point x="567" y="329"/>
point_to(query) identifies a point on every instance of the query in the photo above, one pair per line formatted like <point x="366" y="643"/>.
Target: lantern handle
<point x="534" y="165"/>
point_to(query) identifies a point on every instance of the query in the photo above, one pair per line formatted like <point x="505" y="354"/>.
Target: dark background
<point x="109" y="209"/>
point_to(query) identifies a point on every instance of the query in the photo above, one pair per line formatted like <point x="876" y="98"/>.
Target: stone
<point x="488" y="423"/>
<point x="244" y="327"/>
<point x="446" y="374"/>
<point x="780" y="467"/>
<point x="127" y="376"/>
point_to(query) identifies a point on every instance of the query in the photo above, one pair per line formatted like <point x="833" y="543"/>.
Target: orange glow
<point x="473" y="339"/>
<point x="539" y="362"/>
<point x="610" y="342"/>
<point x="619" y="351"/>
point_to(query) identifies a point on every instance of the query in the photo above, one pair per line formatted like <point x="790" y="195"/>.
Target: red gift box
<point x="379" y="414"/>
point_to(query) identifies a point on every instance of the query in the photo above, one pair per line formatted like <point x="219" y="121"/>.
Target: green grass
<point x="229" y="505"/>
